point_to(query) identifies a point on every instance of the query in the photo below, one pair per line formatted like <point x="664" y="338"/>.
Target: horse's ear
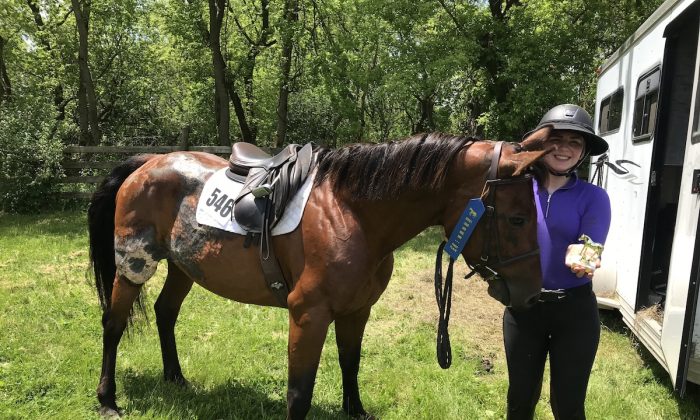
<point x="530" y="150"/>
<point x="519" y="162"/>
<point x="537" y="139"/>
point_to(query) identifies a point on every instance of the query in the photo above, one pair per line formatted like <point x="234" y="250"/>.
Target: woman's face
<point x="568" y="148"/>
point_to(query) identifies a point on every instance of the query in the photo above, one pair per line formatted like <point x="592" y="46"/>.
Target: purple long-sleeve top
<point x="562" y="217"/>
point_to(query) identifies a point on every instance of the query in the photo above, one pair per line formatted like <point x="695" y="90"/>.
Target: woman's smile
<point x="568" y="149"/>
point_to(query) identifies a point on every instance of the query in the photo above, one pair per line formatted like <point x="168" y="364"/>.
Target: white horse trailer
<point x="648" y="109"/>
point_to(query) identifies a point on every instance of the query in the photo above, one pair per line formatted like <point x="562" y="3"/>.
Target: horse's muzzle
<point x="499" y="291"/>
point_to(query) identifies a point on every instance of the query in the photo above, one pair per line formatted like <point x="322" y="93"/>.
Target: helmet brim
<point x="595" y="145"/>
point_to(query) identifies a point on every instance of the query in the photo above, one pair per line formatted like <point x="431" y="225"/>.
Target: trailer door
<point x="681" y="292"/>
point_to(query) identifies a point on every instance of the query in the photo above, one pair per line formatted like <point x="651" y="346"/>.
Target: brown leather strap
<point x="495" y="157"/>
<point x="272" y="271"/>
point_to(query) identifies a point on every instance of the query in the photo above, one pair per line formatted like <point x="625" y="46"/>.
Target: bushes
<point x="29" y="159"/>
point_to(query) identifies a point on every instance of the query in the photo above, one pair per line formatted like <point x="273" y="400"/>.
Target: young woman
<point x="564" y="324"/>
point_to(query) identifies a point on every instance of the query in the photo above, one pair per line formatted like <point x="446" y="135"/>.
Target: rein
<point x="485" y="269"/>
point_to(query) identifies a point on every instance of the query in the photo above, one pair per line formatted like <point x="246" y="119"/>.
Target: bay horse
<point x="366" y="201"/>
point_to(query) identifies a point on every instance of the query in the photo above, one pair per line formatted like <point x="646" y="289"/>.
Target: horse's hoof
<point x="182" y="383"/>
<point x="362" y="416"/>
<point x="178" y="380"/>
<point x="109" y="412"/>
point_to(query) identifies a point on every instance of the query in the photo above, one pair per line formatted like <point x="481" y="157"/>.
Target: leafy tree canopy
<point x="330" y="71"/>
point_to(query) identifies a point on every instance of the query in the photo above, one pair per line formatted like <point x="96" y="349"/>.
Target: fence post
<point x="184" y="139"/>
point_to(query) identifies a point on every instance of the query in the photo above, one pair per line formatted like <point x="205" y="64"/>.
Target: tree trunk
<point x="363" y="111"/>
<point x="83" y="121"/>
<point x="246" y="133"/>
<point x="86" y="92"/>
<point x="249" y="94"/>
<point x="5" y="85"/>
<point x="217" y="8"/>
<point x="425" y="123"/>
<point x="291" y="16"/>
<point x="245" y="71"/>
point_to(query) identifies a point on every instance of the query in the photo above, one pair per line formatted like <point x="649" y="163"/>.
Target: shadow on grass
<point x="149" y="393"/>
<point x="689" y="405"/>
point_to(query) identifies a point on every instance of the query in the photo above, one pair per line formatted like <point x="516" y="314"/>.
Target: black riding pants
<point x="568" y="331"/>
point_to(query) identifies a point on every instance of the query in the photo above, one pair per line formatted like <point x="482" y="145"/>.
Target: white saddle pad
<point x="215" y="206"/>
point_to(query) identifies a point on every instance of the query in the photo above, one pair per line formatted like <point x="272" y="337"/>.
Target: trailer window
<point x="611" y="112"/>
<point x="645" y="106"/>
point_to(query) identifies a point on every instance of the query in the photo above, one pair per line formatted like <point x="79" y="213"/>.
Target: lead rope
<point x="598" y="173"/>
<point x="444" y="302"/>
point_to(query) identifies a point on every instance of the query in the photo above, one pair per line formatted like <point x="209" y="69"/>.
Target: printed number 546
<point x="222" y="205"/>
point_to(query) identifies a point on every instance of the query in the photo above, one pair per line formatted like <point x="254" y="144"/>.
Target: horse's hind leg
<point x="114" y="322"/>
<point x="349" y="331"/>
<point x="167" y="307"/>
<point x="135" y="262"/>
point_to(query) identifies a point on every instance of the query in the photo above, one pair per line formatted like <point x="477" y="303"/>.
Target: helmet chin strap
<point x="571" y="170"/>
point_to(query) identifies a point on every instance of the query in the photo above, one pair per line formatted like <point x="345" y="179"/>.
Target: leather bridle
<point x="489" y="263"/>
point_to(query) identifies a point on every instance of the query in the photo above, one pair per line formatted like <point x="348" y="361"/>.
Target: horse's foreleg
<point x="167" y="307"/>
<point x="307" y="333"/>
<point x="114" y="321"/>
<point x="349" y="331"/>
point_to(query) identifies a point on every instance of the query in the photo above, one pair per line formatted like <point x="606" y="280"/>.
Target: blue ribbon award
<point x="465" y="227"/>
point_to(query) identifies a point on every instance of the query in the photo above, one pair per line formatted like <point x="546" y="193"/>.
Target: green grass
<point x="234" y="355"/>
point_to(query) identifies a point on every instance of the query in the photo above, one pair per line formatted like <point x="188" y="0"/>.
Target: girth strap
<point x="268" y="261"/>
<point x="274" y="277"/>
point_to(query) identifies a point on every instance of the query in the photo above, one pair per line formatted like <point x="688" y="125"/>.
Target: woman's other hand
<point x="582" y="260"/>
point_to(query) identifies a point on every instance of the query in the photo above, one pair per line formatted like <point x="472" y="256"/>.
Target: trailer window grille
<point x="610" y="116"/>
<point x="645" y="106"/>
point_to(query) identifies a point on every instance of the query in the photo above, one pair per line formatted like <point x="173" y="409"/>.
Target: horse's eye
<point x="516" y="221"/>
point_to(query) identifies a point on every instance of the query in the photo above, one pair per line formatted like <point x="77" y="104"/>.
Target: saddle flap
<point x="249" y="212"/>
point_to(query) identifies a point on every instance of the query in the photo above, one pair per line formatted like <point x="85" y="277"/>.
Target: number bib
<point x="215" y="206"/>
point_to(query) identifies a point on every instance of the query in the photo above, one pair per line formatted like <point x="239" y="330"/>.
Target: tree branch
<point x="454" y="19"/>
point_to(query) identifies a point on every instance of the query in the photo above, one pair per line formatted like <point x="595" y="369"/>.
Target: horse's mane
<point x="385" y="170"/>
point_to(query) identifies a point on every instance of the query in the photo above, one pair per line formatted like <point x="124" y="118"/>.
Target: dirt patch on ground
<point x="475" y="318"/>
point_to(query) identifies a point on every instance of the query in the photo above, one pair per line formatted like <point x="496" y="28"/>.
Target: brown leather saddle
<point x="269" y="183"/>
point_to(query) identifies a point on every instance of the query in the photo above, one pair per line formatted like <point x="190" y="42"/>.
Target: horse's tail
<point x="101" y="226"/>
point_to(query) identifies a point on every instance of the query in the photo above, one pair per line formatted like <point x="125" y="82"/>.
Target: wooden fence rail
<point x="86" y="166"/>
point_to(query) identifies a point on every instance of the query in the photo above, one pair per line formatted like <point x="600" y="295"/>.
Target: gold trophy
<point x="590" y="253"/>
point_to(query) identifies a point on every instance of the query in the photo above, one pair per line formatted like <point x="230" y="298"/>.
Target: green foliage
<point x="363" y="70"/>
<point x="29" y="159"/>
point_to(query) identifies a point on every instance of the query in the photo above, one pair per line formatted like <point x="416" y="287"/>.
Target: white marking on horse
<point x="133" y="260"/>
<point x="188" y="166"/>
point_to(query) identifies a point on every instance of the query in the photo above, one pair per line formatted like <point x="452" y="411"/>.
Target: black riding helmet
<point x="574" y="118"/>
